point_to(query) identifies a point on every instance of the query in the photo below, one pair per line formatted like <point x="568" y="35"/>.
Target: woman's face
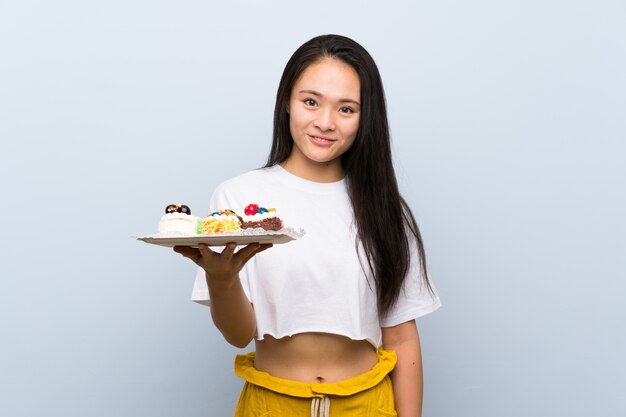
<point x="324" y="110"/>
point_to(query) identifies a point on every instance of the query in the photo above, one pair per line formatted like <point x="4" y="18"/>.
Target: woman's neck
<point x="300" y="166"/>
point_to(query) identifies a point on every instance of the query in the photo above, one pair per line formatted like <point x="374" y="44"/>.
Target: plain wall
<point x="509" y="140"/>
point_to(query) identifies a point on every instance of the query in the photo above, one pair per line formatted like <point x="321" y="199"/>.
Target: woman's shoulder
<point x="260" y="185"/>
<point x="249" y="179"/>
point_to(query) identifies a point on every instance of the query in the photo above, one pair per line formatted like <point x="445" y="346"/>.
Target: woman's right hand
<point x="231" y="310"/>
<point x="221" y="268"/>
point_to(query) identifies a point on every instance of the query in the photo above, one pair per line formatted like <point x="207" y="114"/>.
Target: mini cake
<point x="178" y="219"/>
<point x="256" y="217"/>
<point x="221" y="221"/>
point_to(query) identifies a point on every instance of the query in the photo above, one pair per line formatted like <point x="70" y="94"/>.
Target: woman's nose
<point x="325" y="120"/>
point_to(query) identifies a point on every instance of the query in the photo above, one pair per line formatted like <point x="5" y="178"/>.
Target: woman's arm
<point x="407" y="375"/>
<point x="232" y="313"/>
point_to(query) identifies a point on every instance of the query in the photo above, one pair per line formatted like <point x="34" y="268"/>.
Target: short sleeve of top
<point x="316" y="283"/>
<point x="415" y="299"/>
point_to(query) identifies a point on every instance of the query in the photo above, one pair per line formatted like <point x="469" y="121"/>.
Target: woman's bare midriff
<point x="314" y="357"/>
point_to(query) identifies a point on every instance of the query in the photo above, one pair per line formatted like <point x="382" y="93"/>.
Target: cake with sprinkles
<point x="256" y="217"/>
<point x="220" y="222"/>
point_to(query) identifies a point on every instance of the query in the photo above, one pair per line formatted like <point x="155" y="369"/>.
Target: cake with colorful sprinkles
<point x="220" y="222"/>
<point x="256" y="217"/>
<point x="178" y="219"/>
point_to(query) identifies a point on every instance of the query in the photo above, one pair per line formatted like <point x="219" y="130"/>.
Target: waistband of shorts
<point x="244" y="368"/>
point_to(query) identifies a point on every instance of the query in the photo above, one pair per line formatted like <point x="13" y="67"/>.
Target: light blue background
<point x="509" y="138"/>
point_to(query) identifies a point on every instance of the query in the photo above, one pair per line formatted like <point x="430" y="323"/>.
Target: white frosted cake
<point x="178" y="219"/>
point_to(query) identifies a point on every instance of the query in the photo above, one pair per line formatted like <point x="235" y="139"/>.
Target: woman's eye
<point x="346" y="110"/>
<point x="310" y="102"/>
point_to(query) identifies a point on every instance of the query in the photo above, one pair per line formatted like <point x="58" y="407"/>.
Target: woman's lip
<point x="321" y="141"/>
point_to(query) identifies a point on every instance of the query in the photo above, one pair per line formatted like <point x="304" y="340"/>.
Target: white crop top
<point x="315" y="283"/>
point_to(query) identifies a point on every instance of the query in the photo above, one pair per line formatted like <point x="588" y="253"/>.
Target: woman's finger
<point x="228" y="251"/>
<point x="205" y="252"/>
<point x="188" y="252"/>
<point x="265" y="246"/>
<point x="245" y="254"/>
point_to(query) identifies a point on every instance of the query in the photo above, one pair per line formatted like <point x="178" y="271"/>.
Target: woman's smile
<point x="321" y="141"/>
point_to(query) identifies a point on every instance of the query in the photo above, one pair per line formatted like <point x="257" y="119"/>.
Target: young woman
<point x="332" y="313"/>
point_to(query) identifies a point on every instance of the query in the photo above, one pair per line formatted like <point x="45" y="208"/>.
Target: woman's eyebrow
<point x="318" y="94"/>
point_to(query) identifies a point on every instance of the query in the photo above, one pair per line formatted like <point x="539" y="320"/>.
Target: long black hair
<point x="382" y="216"/>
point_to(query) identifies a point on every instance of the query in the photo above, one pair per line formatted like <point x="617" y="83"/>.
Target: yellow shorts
<point x="368" y="394"/>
